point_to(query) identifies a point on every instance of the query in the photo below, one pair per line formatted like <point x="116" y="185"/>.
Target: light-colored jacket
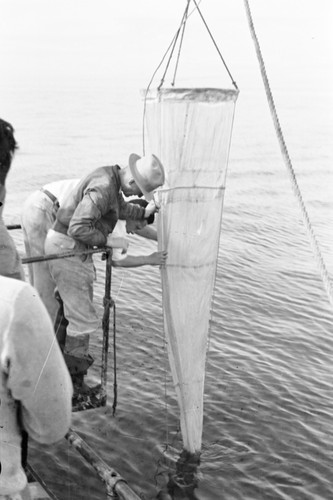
<point x="91" y="210"/>
<point x="34" y="381"/>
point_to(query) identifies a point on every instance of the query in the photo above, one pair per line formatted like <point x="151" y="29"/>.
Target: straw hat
<point x="148" y="173"/>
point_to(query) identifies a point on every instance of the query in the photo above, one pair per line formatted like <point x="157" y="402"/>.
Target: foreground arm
<point x="147" y="232"/>
<point x="154" y="259"/>
<point x="37" y="375"/>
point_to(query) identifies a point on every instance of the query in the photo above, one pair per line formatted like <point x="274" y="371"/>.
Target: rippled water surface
<point x="268" y="431"/>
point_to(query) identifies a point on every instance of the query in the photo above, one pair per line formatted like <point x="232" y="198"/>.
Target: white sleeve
<point x="119" y="231"/>
<point x="37" y="374"/>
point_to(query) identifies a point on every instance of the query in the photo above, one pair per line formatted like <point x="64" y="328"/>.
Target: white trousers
<point x="74" y="277"/>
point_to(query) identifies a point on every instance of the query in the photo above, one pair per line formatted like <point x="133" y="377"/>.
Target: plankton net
<point x="190" y="131"/>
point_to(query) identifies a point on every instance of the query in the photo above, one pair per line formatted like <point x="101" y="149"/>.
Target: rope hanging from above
<point x="173" y="44"/>
<point x="286" y="157"/>
<point x="215" y="44"/>
<point x="171" y="49"/>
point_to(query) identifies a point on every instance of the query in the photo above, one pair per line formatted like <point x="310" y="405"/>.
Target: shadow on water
<point x="184" y="481"/>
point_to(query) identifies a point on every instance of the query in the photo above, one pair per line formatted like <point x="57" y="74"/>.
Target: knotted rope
<point x="286" y="158"/>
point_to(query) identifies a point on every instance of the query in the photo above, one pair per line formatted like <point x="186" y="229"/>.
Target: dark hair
<point x="8" y="145"/>
<point x="143" y="203"/>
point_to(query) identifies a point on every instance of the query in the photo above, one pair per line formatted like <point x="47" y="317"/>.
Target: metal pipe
<point x="114" y="482"/>
<point x="41" y="258"/>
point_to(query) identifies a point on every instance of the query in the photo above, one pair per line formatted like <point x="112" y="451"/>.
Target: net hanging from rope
<point x="190" y="131"/>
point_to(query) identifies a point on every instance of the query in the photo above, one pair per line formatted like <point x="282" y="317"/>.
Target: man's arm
<point x="84" y="225"/>
<point x="128" y="210"/>
<point x="147" y="232"/>
<point x="154" y="259"/>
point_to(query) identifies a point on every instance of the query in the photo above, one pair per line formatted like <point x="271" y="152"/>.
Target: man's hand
<point x="117" y="242"/>
<point x="158" y="258"/>
<point x="151" y="208"/>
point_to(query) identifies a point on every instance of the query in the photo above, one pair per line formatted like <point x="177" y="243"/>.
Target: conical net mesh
<point x="190" y="131"/>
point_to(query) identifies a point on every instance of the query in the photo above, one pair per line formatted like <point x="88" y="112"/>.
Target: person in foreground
<point x="86" y="219"/>
<point x="10" y="263"/>
<point x="35" y="386"/>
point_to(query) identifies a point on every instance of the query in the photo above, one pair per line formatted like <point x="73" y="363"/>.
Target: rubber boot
<point x="78" y="368"/>
<point x="84" y="396"/>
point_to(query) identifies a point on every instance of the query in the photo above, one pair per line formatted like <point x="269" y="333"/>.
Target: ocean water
<point x="75" y="103"/>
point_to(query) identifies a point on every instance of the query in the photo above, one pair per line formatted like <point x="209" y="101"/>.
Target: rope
<point x="181" y="42"/>
<point x="215" y="44"/>
<point x="285" y="154"/>
<point x="172" y="44"/>
<point x="175" y="38"/>
<point x="145" y="98"/>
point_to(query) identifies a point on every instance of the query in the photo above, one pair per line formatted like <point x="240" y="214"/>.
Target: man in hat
<point x="86" y="219"/>
<point x="38" y="216"/>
